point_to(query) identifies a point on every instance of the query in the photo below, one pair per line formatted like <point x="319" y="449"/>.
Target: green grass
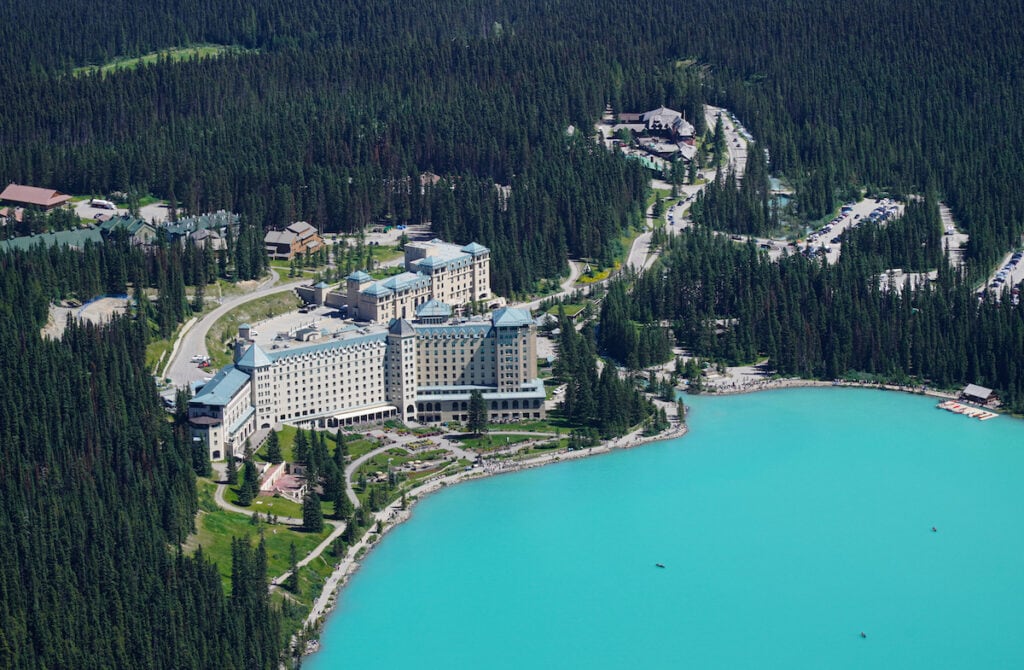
<point x="357" y="445"/>
<point x="276" y="505"/>
<point x="157" y="352"/>
<point x="284" y="267"/>
<point x="554" y="423"/>
<point x="174" y="54"/>
<point x="226" y="327"/>
<point x="485" y="442"/>
<point x="598" y="275"/>
<point x="571" y="309"/>
<point x="384" y="273"/>
<point x="387" y="253"/>
<point x="216" y="528"/>
<point x="545" y="447"/>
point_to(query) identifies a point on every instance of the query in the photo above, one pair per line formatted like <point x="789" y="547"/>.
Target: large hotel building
<point x="435" y="270"/>
<point x="413" y="370"/>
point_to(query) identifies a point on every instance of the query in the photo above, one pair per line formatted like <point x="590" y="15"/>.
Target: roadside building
<point x="138" y="232"/>
<point x="74" y="239"/>
<point x="33" y="196"/>
<point x="298" y="238"/>
<point x="205" y="230"/>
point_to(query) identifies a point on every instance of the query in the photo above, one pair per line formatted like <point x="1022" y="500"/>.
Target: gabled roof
<point x="432" y="262"/>
<point x="222" y="388"/>
<point x="977" y="391"/>
<point x="76" y="239"/>
<point x="359" y="276"/>
<point x="321" y="285"/>
<point x="377" y="289"/>
<point x="682" y="127"/>
<point x="405" y="280"/>
<point x="302" y="229"/>
<point x="204" y="234"/>
<point x="213" y="221"/>
<point x="377" y="336"/>
<point x="475" y="329"/>
<point x="127" y="223"/>
<point x="433" y="308"/>
<point x="661" y="112"/>
<point x="511" y="317"/>
<point x="33" y="195"/>
<point x="253" y="358"/>
<point x="279" y="237"/>
<point x="475" y="249"/>
<point x="402" y="328"/>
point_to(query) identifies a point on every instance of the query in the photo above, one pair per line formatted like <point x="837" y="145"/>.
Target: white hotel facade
<point x="413" y="370"/>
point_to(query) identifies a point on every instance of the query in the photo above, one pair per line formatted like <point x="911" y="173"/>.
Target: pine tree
<point x="477" y="423"/>
<point x="292" y="584"/>
<point x="312" y="515"/>
<point x="300" y="454"/>
<point x="231" y="472"/>
<point x="250" y="484"/>
<point x="340" y="450"/>
<point x="273" y="450"/>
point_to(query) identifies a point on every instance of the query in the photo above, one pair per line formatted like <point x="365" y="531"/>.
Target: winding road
<point x="192" y="342"/>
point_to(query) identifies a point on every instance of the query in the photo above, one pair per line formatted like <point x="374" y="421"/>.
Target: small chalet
<point x="978" y="394"/>
<point x="206" y="230"/>
<point x="43" y="198"/>
<point x="138" y="232"/>
<point x="207" y="238"/>
<point x="298" y="238"/>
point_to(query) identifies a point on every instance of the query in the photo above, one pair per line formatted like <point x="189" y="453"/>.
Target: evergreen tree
<point x="477" y="422"/>
<point x="231" y="471"/>
<point x="273" y="450"/>
<point x="292" y="583"/>
<point x="312" y="515"/>
<point x="250" y="485"/>
<point x="300" y="452"/>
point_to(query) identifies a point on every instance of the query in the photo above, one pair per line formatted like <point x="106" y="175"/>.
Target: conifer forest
<point x="341" y="113"/>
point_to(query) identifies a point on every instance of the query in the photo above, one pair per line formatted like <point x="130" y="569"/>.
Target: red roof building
<point x="45" y="198"/>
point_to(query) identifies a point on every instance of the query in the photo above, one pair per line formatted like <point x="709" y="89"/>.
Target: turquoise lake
<point x="788" y="522"/>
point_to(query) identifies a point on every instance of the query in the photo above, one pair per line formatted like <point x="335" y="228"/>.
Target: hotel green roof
<point x="254" y="357"/>
<point x="222" y="388"/>
<point x="509" y="317"/>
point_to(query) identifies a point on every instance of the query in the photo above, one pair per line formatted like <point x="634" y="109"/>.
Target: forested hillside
<point x="335" y="112"/>
<point x="343" y="105"/>
<point x="96" y="492"/>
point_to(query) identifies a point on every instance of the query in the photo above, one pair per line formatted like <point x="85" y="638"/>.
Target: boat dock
<point x="967" y="410"/>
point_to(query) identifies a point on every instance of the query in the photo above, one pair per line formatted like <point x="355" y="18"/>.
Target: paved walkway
<point x="352" y="467"/>
<point x="218" y="497"/>
<point x="339" y="528"/>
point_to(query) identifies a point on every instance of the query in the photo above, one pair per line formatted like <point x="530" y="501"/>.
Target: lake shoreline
<point x="394" y="515"/>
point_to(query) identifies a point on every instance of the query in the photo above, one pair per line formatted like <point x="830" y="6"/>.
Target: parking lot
<point x="825" y="241"/>
<point x="1009" y="275"/>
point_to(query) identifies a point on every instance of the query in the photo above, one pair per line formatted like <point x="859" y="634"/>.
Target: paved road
<point x="735" y="142"/>
<point x="567" y="287"/>
<point x="954" y="242"/>
<point x="181" y="370"/>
